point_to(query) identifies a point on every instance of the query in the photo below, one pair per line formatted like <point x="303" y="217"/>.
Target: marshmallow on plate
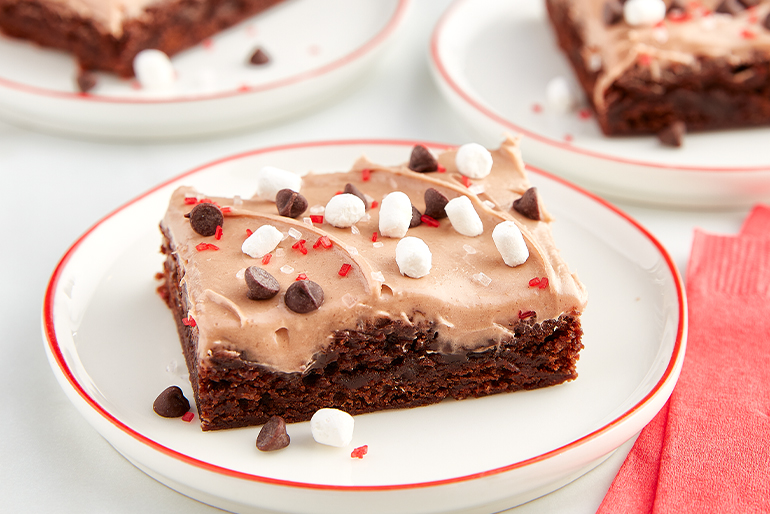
<point x="413" y="257"/>
<point x="464" y="217"/>
<point x="270" y="180"/>
<point x="559" y="95"/>
<point x="644" y="12"/>
<point x="262" y="241"/>
<point x="473" y="160"/>
<point x="395" y="214"/>
<point x="344" y="210"/>
<point x="510" y="243"/>
<point x="153" y="69"/>
<point x="332" y="427"/>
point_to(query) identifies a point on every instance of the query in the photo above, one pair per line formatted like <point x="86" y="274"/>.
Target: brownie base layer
<point x="380" y="364"/>
<point x="712" y="95"/>
<point x="167" y="26"/>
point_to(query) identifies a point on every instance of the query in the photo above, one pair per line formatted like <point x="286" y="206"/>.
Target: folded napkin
<point x="708" y="450"/>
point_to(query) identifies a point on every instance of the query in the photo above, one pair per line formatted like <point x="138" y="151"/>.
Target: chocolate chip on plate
<point x="416" y="218"/>
<point x="86" y="81"/>
<point x="259" y="57"/>
<point x="290" y="203"/>
<point x="304" y="296"/>
<point x="353" y="190"/>
<point x="527" y="204"/>
<point x="262" y="285"/>
<point x="730" y="7"/>
<point x="421" y="160"/>
<point x="673" y="135"/>
<point x="205" y="218"/>
<point x="273" y="435"/>
<point x="435" y="203"/>
<point x="171" y="403"/>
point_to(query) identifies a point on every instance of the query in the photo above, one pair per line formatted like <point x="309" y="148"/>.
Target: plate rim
<point x="441" y="71"/>
<point x="369" y="46"/>
<point x="54" y="349"/>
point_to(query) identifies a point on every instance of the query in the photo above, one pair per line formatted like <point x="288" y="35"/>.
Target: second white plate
<point x="492" y="60"/>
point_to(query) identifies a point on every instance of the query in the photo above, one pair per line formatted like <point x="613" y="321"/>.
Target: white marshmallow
<point x="344" y="210"/>
<point x="463" y="216"/>
<point x="395" y="214"/>
<point x="153" y="69"/>
<point x="473" y="160"/>
<point x="270" y="180"/>
<point x="262" y="241"/>
<point x="510" y="243"/>
<point x="413" y="257"/>
<point x="560" y="95"/>
<point x="332" y="427"/>
<point x="644" y="12"/>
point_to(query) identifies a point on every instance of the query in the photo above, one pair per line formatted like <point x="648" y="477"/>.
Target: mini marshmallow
<point x="395" y="214"/>
<point x="332" y="427"/>
<point x="153" y="69"/>
<point x="463" y="216"/>
<point x="262" y="241"/>
<point x="559" y="95"/>
<point x="473" y="160"/>
<point x="413" y="257"/>
<point x="510" y="243"/>
<point x="644" y="12"/>
<point x="344" y="210"/>
<point x="270" y="180"/>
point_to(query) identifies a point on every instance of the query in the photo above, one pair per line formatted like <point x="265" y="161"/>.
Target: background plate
<point x="318" y="48"/>
<point x="112" y="344"/>
<point x="492" y="60"/>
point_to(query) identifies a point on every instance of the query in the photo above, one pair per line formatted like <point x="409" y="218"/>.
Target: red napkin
<point x="708" y="450"/>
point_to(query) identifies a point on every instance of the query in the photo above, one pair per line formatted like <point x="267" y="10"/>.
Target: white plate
<point x="492" y="60"/>
<point x="113" y="346"/>
<point x="317" y="49"/>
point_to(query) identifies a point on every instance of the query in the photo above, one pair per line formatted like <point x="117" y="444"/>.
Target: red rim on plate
<point x="374" y="42"/>
<point x="56" y="352"/>
<point x="435" y="55"/>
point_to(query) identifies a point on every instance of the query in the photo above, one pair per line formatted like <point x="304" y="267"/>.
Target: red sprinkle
<point x="208" y="200"/>
<point x="190" y="200"/>
<point x="747" y="34"/>
<point x="266" y="259"/>
<point x="301" y="276"/>
<point x="206" y="246"/>
<point x="188" y="416"/>
<point x="344" y="269"/>
<point x="534" y="282"/>
<point x="323" y="241"/>
<point x="188" y="321"/>
<point x="359" y="452"/>
<point x="316" y="218"/>
<point x="338" y="193"/>
<point x="226" y="210"/>
<point x="543" y="283"/>
<point x="366" y="174"/>
<point x="374" y="237"/>
<point x="645" y="59"/>
<point x="374" y="205"/>
<point x="584" y="114"/>
<point x="249" y="232"/>
<point x="537" y="108"/>
<point x="678" y="16"/>
<point x="466" y="181"/>
<point x="441" y="169"/>
<point x="526" y="314"/>
<point x="431" y="222"/>
<point x="218" y="233"/>
<point x="300" y="245"/>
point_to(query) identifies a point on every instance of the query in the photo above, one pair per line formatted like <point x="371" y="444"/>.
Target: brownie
<point x="108" y="45"/>
<point x="472" y="327"/>
<point x="704" y="65"/>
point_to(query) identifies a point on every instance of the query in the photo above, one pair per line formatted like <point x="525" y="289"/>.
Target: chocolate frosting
<point x="471" y="295"/>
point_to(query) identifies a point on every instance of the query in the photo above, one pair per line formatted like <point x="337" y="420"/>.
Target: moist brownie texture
<point x="378" y="339"/>
<point x="706" y="64"/>
<point x="106" y="35"/>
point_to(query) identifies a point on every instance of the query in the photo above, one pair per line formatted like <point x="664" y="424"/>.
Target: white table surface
<point x="54" y="188"/>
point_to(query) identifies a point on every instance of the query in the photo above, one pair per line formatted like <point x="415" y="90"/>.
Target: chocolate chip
<point x="421" y="160"/>
<point x="416" y="218"/>
<point x="262" y="285"/>
<point x="171" y="403"/>
<point x="435" y="203"/>
<point x="290" y="203"/>
<point x="527" y="204"/>
<point x="205" y="218"/>
<point x="86" y="81"/>
<point x="259" y="57"/>
<point x="353" y="190"/>
<point x="273" y="435"/>
<point x="730" y="7"/>
<point x="612" y="12"/>
<point x="673" y="135"/>
<point x="304" y="296"/>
